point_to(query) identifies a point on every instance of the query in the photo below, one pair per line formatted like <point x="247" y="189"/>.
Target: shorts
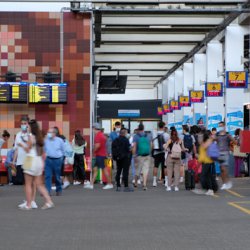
<point x="159" y="159"/>
<point x="224" y="159"/>
<point x="142" y="164"/>
<point x="100" y="162"/>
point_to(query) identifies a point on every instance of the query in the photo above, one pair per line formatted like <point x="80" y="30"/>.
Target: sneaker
<point x="176" y="189"/>
<point x="108" y="186"/>
<point x="166" y="182"/>
<point x="198" y="191"/>
<point x="10" y="184"/>
<point x="181" y="179"/>
<point x="75" y="183"/>
<point x="66" y="184"/>
<point x="24" y="204"/>
<point x="209" y="192"/>
<point x="168" y="189"/>
<point x="89" y="186"/>
<point x="53" y="188"/>
<point x="155" y="183"/>
<point x="223" y="187"/>
<point x="25" y="208"/>
<point x="47" y="206"/>
<point x="133" y="181"/>
<point x="229" y="185"/>
<point x="139" y="182"/>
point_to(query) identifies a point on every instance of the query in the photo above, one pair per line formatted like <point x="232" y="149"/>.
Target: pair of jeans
<point x="122" y="166"/>
<point x="53" y="166"/>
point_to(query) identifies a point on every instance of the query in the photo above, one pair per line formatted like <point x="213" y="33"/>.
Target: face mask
<point x="23" y="127"/>
<point x="49" y="135"/>
<point x="220" y="129"/>
<point x="117" y="129"/>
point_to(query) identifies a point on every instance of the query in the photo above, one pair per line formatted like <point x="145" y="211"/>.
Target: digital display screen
<point x="13" y="92"/>
<point x="236" y="79"/>
<point x="48" y="93"/>
<point x="214" y="89"/>
<point x="184" y="101"/>
<point x="196" y="96"/>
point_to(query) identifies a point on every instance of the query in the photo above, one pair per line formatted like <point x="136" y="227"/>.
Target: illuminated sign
<point x="13" y="92"/>
<point x="236" y="79"/>
<point x="196" y="96"/>
<point x="184" y="101"/>
<point x="213" y="89"/>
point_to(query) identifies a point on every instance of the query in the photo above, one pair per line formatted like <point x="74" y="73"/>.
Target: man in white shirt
<point x="21" y="140"/>
<point x="159" y="139"/>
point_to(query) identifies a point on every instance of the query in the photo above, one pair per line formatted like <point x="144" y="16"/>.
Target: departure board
<point x="13" y="92"/>
<point x="48" y="93"/>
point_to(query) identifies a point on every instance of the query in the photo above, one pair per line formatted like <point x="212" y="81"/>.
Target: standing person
<point x="223" y="141"/>
<point x="34" y="169"/>
<point x="100" y="153"/>
<point x="175" y="147"/>
<point x="8" y="165"/>
<point x="54" y="150"/>
<point x="121" y="153"/>
<point x="4" y="139"/>
<point x="141" y="150"/>
<point x="115" y="133"/>
<point x="208" y="180"/>
<point x="21" y="140"/>
<point x="159" y="139"/>
<point x="78" y="145"/>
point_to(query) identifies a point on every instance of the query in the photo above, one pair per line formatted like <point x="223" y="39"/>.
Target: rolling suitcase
<point x="189" y="179"/>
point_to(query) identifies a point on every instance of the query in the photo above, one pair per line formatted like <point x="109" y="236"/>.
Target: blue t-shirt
<point x="113" y="135"/>
<point x="137" y="137"/>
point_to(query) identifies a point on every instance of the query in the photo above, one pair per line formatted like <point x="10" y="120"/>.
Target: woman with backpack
<point x="78" y="145"/>
<point x="174" y="146"/>
<point x="208" y="174"/>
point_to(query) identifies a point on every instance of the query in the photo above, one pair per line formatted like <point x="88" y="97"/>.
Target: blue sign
<point x="234" y="121"/>
<point x="200" y="119"/>
<point x="187" y="120"/>
<point x="213" y="121"/>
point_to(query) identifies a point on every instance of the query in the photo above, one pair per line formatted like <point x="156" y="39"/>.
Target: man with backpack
<point x="142" y="150"/>
<point x="223" y="141"/>
<point x="159" y="139"/>
<point x="121" y="154"/>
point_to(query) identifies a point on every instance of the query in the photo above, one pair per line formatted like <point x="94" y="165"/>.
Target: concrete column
<point x="164" y="97"/>
<point x="199" y="77"/>
<point x="234" y="98"/>
<point x="178" y="90"/>
<point x="171" y="90"/>
<point x="188" y="83"/>
<point x="215" y="105"/>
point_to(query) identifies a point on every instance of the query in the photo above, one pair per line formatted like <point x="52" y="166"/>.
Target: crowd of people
<point x="175" y="157"/>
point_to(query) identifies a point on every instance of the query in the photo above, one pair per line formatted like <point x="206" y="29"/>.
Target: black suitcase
<point x="19" y="178"/>
<point x="189" y="179"/>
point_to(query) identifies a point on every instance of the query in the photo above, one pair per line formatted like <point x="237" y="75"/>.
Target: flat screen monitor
<point x="112" y="84"/>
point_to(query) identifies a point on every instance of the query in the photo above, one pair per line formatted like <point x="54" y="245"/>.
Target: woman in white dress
<point x="33" y="167"/>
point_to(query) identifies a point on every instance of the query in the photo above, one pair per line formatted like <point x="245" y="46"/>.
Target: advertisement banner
<point x="166" y="108"/>
<point x="160" y="111"/>
<point x="184" y="101"/>
<point x="200" y="119"/>
<point x="234" y="121"/>
<point x="174" y="105"/>
<point x="213" y="121"/>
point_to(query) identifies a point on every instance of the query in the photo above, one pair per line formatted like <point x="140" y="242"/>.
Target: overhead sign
<point x="214" y="89"/>
<point x="196" y="96"/>
<point x="174" y="105"/>
<point x="236" y="79"/>
<point x="128" y="113"/>
<point x="160" y="111"/>
<point x="184" y="101"/>
<point x="166" y="108"/>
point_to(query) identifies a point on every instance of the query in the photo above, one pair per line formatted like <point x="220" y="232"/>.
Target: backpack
<point x="161" y="142"/>
<point x="213" y="151"/>
<point x="119" y="151"/>
<point x="143" y="146"/>
<point x="176" y="151"/>
<point x="188" y="142"/>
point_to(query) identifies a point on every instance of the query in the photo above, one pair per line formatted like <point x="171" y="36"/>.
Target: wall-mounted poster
<point x="236" y="79"/>
<point x="214" y="89"/>
<point x="196" y="96"/>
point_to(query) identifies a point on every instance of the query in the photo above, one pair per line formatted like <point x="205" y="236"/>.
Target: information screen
<point x="13" y="92"/>
<point x="184" y="101"/>
<point x="48" y="93"/>
<point x="214" y="89"/>
<point x="196" y="96"/>
<point x="236" y="79"/>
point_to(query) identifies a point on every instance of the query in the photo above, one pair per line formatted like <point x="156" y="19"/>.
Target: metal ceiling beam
<point x="211" y="35"/>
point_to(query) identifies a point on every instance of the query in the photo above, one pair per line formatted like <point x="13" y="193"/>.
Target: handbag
<point x="244" y="168"/>
<point x="237" y="152"/>
<point x="213" y="151"/>
<point x="28" y="162"/>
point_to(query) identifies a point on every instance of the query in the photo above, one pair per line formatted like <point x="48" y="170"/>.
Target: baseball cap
<point x="97" y="126"/>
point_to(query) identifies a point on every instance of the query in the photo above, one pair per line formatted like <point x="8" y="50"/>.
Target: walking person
<point x="54" y="150"/>
<point x="223" y="140"/>
<point x="174" y="146"/>
<point x="141" y="150"/>
<point x="78" y="145"/>
<point x="159" y="139"/>
<point x="100" y="153"/>
<point x="33" y="167"/>
<point x="121" y="153"/>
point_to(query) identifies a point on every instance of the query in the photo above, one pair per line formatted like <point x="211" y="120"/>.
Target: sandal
<point x="47" y="206"/>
